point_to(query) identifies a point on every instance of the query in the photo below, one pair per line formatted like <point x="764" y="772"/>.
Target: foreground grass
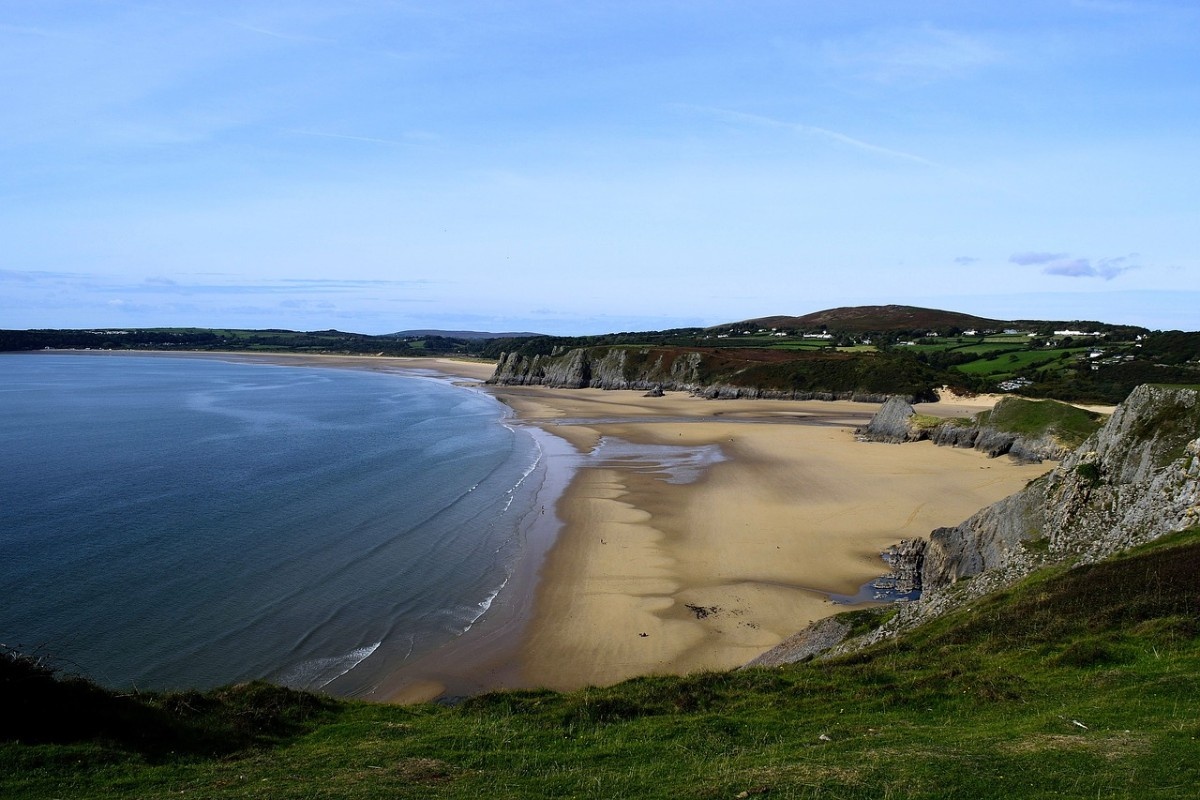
<point x="1075" y="684"/>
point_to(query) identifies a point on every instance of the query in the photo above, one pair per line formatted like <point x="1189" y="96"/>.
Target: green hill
<point x="1074" y="683"/>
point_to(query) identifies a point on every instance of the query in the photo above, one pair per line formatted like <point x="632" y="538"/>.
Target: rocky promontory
<point x="1135" y="479"/>
<point x="1029" y="430"/>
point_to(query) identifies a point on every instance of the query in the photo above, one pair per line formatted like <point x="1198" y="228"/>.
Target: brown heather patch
<point x="1108" y="746"/>
<point x="424" y="770"/>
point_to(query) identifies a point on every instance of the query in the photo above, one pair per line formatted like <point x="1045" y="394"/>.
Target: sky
<point x="588" y="167"/>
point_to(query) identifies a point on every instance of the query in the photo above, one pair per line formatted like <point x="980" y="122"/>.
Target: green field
<point x="1011" y="363"/>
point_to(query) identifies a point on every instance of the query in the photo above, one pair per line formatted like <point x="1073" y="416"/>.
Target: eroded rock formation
<point x="1134" y="480"/>
<point x="897" y="422"/>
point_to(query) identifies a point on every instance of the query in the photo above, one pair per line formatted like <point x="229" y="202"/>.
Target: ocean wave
<point x="486" y="603"/>
<point x="320" y="672"/>
<point x="512" y="493"/>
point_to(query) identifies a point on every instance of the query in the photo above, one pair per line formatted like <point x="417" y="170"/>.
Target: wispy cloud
<point x="355" y="284"/>
<point x="809" y="130"/>
<point x="162" y="285"/>
<point x="407" y="140"/>
<point x="1026" y="259"/>
<point x="1065" y="266"/>
<point x="966" y="261"/>
<point x="42" y="277"/>
<point x="289" y="37"/>
<point x="1108" y="6"/>
<point x="921" y="53"/>
<point x="43" y="33"/>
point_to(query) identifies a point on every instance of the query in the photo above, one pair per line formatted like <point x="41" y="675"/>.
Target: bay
<point x="184" y="522"/>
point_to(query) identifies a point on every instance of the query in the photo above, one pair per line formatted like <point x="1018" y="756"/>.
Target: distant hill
<point x="861" y="319"/>
<point x="458" y="334"/>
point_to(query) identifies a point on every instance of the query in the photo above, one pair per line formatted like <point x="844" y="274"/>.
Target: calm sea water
<point x="180" y="522"/>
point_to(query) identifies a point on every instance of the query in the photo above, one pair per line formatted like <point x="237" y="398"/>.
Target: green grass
<point x="1076" y="683"/>
<point x="795" y="344"/>
<point x="1070" y="425"/>
<point x="1011" y="363"/>
<point x="998" y="347"/>
<point x="924" y="422"/>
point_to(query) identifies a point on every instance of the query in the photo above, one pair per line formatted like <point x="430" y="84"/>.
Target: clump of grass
<point x="924" y="422"/>
<point x="1089" y="472"/>
<point x="865" y="620"/>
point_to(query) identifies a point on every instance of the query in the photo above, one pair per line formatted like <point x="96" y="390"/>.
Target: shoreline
<point x="680" y="533"/>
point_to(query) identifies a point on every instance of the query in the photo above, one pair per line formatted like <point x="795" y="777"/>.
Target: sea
<point x="182" y="522"/>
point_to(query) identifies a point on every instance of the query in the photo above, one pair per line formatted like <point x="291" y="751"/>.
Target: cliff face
<point x="608" y="369"/>
<point x="1134" y="480"/>
<point x="707" y="375"/>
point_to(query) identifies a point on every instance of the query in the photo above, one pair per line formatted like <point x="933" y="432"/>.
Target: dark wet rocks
<point x="906" y="560"/>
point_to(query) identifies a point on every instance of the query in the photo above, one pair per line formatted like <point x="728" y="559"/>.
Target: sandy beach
<point x="653" y="576"/>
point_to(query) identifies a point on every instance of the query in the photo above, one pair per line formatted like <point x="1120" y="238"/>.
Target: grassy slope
<point x="1069" y="424"/>
<point x="1074" y="684"/>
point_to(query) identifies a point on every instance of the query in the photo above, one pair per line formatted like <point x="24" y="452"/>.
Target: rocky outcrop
<point x="1134" y="480"/>
<point x="817" y="638"/>
<point x="907" y="560"/>
<point x="897" y="422"/>
<point x="892" y="423"/>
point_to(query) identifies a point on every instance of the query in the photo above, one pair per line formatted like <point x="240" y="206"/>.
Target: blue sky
<point x="379" y="165"/>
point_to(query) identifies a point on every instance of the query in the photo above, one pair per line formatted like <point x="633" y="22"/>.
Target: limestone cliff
<point x="715" y="374"/>
<point x="897" y="422"/>
<point x="608" y="368"/>
<point x="1134" y="480"/>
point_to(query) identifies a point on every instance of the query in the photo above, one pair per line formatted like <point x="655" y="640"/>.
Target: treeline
<point x="551" y="345"/>
<point x="836" y="373"/>
<point x="1109" y="384"/>
<point x="201" y="340"/>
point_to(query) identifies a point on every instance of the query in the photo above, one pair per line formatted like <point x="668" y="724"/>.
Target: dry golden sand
<point x="798" y="509"/>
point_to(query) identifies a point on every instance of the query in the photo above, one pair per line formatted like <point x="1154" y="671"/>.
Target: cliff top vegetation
<point x="1069" y="424"/>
